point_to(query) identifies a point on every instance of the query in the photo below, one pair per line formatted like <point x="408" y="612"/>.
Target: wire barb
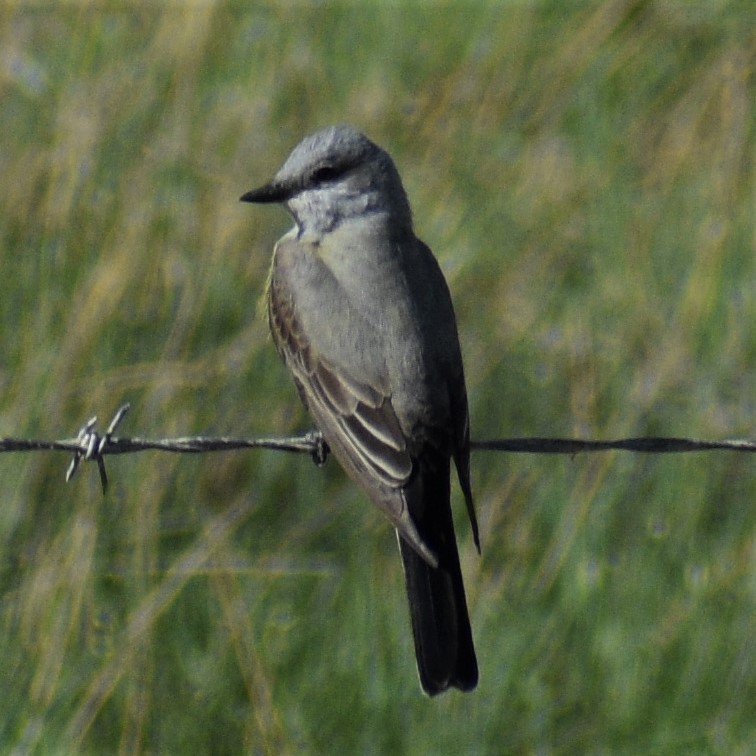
<point x="93" y="446"/>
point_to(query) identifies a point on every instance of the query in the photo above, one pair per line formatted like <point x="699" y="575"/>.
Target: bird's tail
<point x="438" y="608"/>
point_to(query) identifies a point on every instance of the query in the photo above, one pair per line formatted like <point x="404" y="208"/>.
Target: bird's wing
<point x="355" y="416"/>
<point x="438" y="303"/>
<point x="359" y="413"/>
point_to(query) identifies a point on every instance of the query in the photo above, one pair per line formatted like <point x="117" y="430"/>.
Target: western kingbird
<point x="362" y="316"/>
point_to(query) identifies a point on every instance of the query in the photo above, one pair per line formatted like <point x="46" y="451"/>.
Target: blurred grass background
<point x="584" y="172"/>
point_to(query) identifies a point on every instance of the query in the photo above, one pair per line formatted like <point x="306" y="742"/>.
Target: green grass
<point x="584" y="172"/>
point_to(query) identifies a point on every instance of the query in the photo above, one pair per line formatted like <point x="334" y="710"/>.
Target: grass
<point x="584" y="172"/>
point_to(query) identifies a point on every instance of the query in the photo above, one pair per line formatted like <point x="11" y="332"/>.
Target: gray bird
<point x="362" y="316"/>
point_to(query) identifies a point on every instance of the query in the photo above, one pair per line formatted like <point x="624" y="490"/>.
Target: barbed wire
<point x="91" y="446"/>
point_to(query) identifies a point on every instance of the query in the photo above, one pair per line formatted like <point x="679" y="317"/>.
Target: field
<point x="584" y="172"/>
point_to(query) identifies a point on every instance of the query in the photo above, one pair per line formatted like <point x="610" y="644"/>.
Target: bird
<point x="361" y="314"/>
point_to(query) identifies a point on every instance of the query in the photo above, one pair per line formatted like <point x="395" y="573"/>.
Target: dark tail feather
<point x="438" y="609"/>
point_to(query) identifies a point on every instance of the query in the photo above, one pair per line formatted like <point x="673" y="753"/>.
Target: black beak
<point x="271" y="192"/>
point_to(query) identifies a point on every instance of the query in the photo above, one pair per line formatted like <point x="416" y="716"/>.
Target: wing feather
<point x="362" y="415"/>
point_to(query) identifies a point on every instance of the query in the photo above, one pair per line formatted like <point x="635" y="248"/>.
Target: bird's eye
<point x="323" y="174"/>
